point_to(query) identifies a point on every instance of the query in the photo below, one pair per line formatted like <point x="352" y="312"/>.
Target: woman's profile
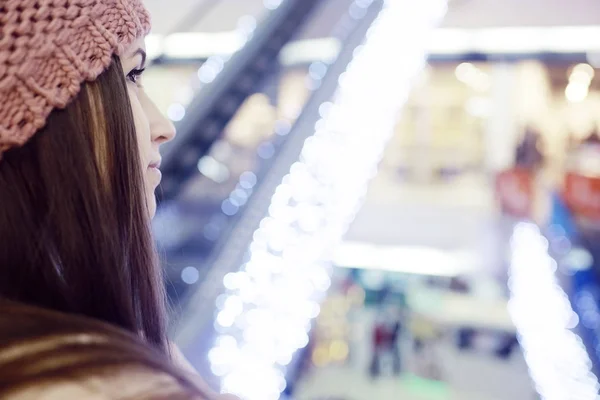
<point x="79" y="163"/>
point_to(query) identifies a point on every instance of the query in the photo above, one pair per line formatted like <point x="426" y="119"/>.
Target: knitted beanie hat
<point x="48" y="48"/>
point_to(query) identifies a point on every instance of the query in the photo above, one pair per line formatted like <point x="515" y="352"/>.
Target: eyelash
<point x="135" y="74"/>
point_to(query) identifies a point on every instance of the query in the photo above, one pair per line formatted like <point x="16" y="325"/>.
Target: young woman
<point x="79" y="163"/>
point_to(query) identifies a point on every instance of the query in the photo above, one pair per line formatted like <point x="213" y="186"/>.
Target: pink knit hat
<point x="48" y="48"/>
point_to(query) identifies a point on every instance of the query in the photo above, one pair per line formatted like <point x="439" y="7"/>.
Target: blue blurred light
<point x="229" y="208"/>
<point x="266" y="150"/>
<point x="248" y="180"/>
<point x="190" y="275"/>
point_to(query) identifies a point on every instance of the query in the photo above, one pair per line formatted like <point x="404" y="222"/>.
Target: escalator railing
<point x="209" y="112"/>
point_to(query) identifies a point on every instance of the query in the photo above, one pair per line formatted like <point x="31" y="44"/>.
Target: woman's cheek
<point x="142" y="128"/>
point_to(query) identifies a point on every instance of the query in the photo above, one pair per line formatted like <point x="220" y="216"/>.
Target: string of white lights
<point x="270" y="303"/>
<point x="558" y="362"/>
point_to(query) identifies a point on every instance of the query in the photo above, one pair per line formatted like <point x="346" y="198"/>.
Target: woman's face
<point x="152" y="128"/>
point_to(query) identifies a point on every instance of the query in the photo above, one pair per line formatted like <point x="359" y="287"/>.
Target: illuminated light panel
<point x="306" y="51"/>
<point x="405" y="259"/>
<point x="268" y="306"/>
<point x="515" y="40"/>
<point x="558" y="362"/>
<point x="202" y="45"/>
<point x="443" y="41"/>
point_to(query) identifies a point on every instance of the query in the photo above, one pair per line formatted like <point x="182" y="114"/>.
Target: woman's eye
<point x="135" y="75"/>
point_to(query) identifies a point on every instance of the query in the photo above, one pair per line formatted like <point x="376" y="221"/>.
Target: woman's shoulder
<point x="124" y="382"/>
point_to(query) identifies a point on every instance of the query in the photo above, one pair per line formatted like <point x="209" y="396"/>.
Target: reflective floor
<point x="463" y="375"/>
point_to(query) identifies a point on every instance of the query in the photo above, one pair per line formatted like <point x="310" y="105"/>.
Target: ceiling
<point x="494" y="13"/>
<point x="179" y="15"/>
<point x="212" y="15"/>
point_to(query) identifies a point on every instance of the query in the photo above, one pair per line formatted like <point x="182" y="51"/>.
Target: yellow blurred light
<point x="481" y="82"/>
<point x="339" y="350"/>
<point x="580" y="77"/>
<point x="320" y="356"/>
<point x="464" y="72"/>
<point x="581" y="70"/>
<point x="470" y="75"/>
<point x="576" y="92"/>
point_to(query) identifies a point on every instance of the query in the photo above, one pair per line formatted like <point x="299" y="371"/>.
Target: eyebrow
<point x="143" y="54"/>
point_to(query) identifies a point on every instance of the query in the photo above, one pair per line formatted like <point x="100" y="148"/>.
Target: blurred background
<point x="363" y="199"/>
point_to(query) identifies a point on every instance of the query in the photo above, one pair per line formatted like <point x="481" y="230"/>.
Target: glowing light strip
<point x="516" y="40"/>
<point x="443" y="41"/>
<point x="269" y="304"/>
<point x="405" y="259"/>
<point x="557" y="359"/>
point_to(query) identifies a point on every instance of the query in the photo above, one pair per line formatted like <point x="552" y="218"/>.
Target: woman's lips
<point x="155" y="164"/>
<point x="154" y="169"/>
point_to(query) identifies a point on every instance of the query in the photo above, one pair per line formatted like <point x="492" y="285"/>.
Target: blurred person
<point x="47" y="355"/>
<point x="459" y="284"/>
<point x="529" y="154"/>
<point x="79" y="163"/>
<point x="517" y="187"/>
<point x="386" y="335"/>
<point x="592" y="139"/>
<point x="507" y="343"/>
<point x="380" y="340"/>
<point x="395" y="346"/>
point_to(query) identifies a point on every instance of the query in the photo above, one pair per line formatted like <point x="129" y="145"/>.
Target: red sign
<point x="582" y="195"/>
<point x="514" y="191"/>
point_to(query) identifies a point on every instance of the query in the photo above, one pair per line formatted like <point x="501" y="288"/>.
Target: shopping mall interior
<point x="382" y="199"/>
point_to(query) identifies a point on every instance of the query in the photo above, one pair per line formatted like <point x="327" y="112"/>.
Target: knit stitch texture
<point x="48" y="48"/>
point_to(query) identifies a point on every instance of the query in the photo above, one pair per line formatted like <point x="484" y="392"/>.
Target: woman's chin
<point x="151" y="201"/>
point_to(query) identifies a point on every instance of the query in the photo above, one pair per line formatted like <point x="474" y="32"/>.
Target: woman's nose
<point x="163" y="130"/>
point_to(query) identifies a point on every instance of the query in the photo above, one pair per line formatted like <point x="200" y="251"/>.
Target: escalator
<point x="225" y="164"/>
<point x="194" y="219"/>
<point x="188" y="59"/>
<point x="227" y="80"/>
<point x="206" y="89"/>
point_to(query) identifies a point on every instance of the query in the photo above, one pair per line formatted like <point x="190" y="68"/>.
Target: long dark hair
<point x="74" y="226"/>
<point x="40" y="348"/>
